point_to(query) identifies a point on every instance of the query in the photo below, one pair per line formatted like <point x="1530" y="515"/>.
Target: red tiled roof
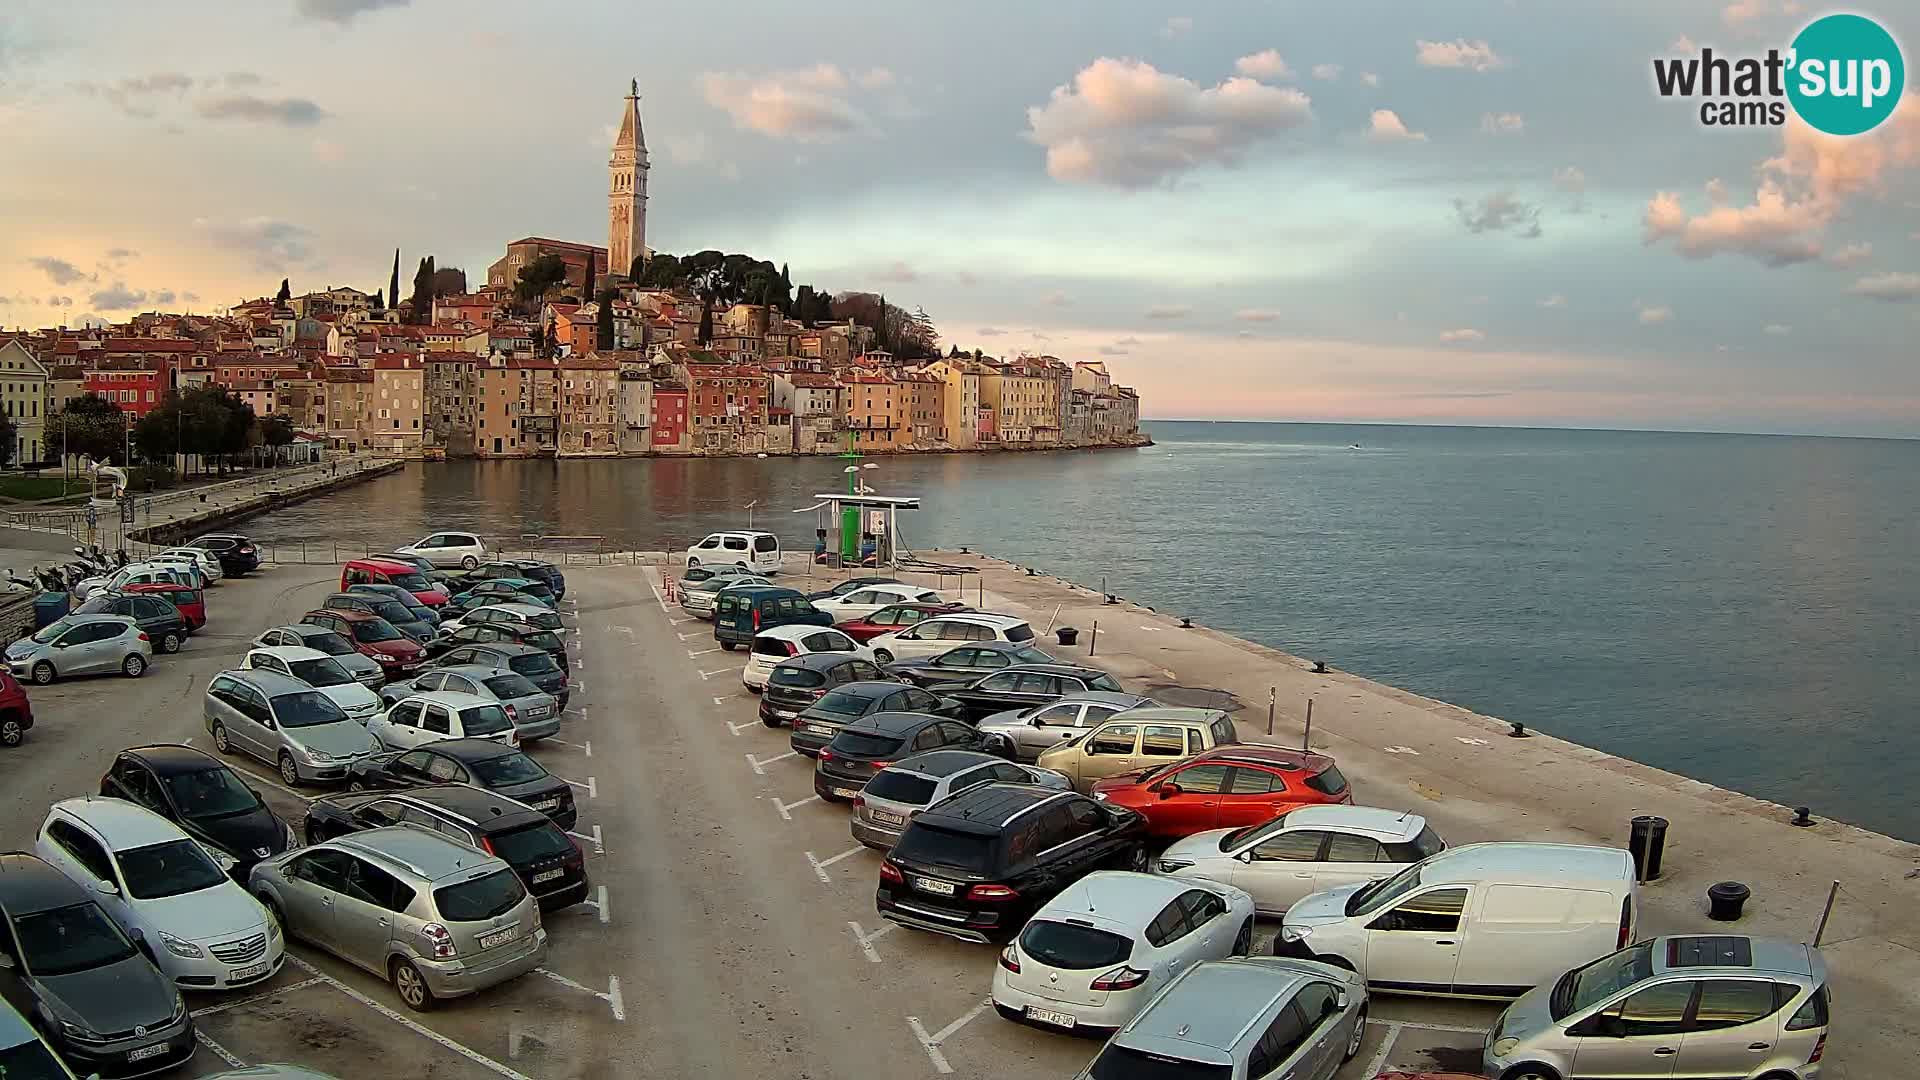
<point x="812" y="381"/>
<point x="396" y="363"/>
<point x="147" y="345"/>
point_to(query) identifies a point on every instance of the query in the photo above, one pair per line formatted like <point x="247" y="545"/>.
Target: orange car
<point x="1226" y="788"/>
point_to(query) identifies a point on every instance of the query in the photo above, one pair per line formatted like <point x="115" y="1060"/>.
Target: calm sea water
<point x="1741" y="609"/>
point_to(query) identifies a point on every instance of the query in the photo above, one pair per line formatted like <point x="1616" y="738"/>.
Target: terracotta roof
<point x="126" y="364"/>
<point x="346" y="375"/>
<point x="590" y="362"/>
<point x="67" y="371"/>
<point x="726" y="371"/>
<point x="144" y="345"/>
<point x="812" y="381"/>
<point x="396" y="363"/>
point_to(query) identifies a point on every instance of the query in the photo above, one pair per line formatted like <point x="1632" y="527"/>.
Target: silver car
<point x="436" y="917"/>
<point x="535" y="714"/>
<point x="1023" y="733"/>
<point x="1690" y="1008"/>
<point x="905" y="788"/>
<point x="81" y="645"/>
<point x="699" y="598"/>
<point x="365" y="669"/>
<point x="1249" y="1018"/>
<point x="285" y="722"/>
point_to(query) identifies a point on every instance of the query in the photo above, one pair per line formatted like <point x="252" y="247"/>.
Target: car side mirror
<point x="6" y="962"/>
<point x="106" y="888"/>
<point x="1037" y="722"/>
<point x="1339" y="998"/>
<point x="1169" y="789"/>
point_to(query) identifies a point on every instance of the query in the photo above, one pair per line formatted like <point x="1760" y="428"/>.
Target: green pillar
<point x="850" y="515"/>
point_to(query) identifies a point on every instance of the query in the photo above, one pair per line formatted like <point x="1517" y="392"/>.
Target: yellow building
<point x="23" y="396"/>
<point x="877" y="413"/>
<point x="960" y="411"/>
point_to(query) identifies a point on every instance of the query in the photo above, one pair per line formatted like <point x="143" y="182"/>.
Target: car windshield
<point x="169" y="869"/>
<point x="860" y="744"/>
<point x="798" y="677"/>
<point x="52" y="630"/>
<point x="392" y="610"/>
<point x="1252" y="833"/>
<point x="481" y="898"/>
<point x="971" y="852"/>
<point x="544" y="640"/>
<point x="1600" y="980"/>
<point x="1118" y="1062"/>
<point x="507" y="769"/>
<point x="484" y="720"/>
<point x="410" y="581"/>
<point x="210" y="793"/>
<point x="546" y="620"/>
<point x="1073" y="946"/>
<point x="320" y="672"/>
<point x="533" y="664"/>
<point x="1022" y="632"/>
<point x="1379" y="894"/>
<point x="901" y="787"/>
<point x="64" y="940"/>
<point x="530" y="843"/>
<point x="508" y="687"/>
<point x="306" y="708"/>
<point x="1027" y="654"/>
<point x="1104" y="682"/>
<point x="842" y="703"/>
<point x="330" y="643"/>
<point x="373" y="631"/>
<point x="31" y="1060"/>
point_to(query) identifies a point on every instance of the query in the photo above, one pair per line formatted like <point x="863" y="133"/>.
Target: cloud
<point x="1168" y="311"/>
<point x="1776" y="229"/>
<point x="342" y="11"/>
<point x="1851" y="255"/>
<point x="1370" y="78"/>
<point x="1499" y="212"/>
<point x="1112" y="350"/>
<point x="1056" y="298"/>
<point x="133" y="95"/>
<point x="1891" y="287"/>
<point x="287" y="112"/>
<point x="1256" y="315"/>
<point x="1125" y="124"/>
<point x="1176" y="25"/>
<point x="190" y="297"/>
<point x="272" y="242"/>
<point x="874" y="79"/>
<point x="1683" y="46"/>
<point x="240" y="80"/>
<point x="1777" y="329"/>
<point x="59" y="301"/>
<point x="1327" y="72"/>
<point x="1742" y="12"/>
<point x="163" y="297"/>
<point x="1463" y="335"/>
<point x="897" y="270"/>
<point x="1557" y="300"/>
<point x="1265" y="64"/>
<point x="1386" y="126"/>
<point x="806" y="105"/>
<point x="990" y="331"/>
<point x="1502" y="123"/>
<point x="60" y="271"/>
<point x="1128" y="341"/>
<point x="117" y="254"/>
<point x="1458" y="53"/>
<point x="1836" y="167"/>
<point x="1649" y="314"/>
<point x="117" y="297"/>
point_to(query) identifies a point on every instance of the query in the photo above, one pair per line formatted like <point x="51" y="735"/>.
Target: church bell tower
<point x="627" y="189"/>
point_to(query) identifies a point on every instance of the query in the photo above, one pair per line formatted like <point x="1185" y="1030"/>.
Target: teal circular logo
<point x="1846" y="74"/>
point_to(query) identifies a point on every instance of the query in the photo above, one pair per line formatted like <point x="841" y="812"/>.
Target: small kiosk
<point x="858" y="529"/>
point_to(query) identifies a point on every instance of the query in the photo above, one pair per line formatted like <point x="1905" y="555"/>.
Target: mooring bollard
<point x="1725" y="899"/>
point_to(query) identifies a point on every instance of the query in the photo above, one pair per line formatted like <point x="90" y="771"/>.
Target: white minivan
<point x="757" y="552"/>
<point x="1484" y="920"/>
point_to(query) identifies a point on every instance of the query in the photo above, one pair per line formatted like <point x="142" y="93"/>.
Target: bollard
<point x="1095" y="638"/>
<point x="1801" y="817"/>
<point x="1319" y="667"/>
<point x="1186" y="623"/>
<point x="1306" y="737"/>
<point x="1647" y="841"/>
<point x="1725" y="899"/>
<point x="1067" y="635"/>
<point x="1270" y="693"/>
<point x="1518" y="730"/>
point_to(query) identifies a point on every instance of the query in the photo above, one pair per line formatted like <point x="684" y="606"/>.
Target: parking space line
<point x="719" y="701"/>
<point x="410" y="1024"/>
<point x="866" y="940"/>
<point x="591" y="787"/>
<point x="242" y="1003"/>
<point x="722" y="671"/>
<point x="785" y="807"/>
<point x="760" y="766"/>
<point x="585" y="747"/>
<point x="1386" y="1047"/>
<point x="611" y="997"/>
<point x="219" y="1051"/>
<point x="695" y="654"/>
<point x="820" y="865"/>
<point x="738" y="728"/>
<point x="275" y="784"/>
<point x="684" y="637"/>
<point x="599" y="848"/>
<point x="1418" y="1025"/>
<point x="627" y="630"/>
<point x="932" y="1042"/>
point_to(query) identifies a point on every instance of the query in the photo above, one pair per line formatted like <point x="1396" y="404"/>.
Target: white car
<point x="778" y="643"/>
<point x="323" y="673"/>
<point x="204" y="561"/>
<point x="755" y="551"/>
<point x="139" y="574"/>
<point x="525" y="616"/>
<point x="863" y="602"/>
<point x="443" y="714"/>
<point x="445" y="549"/>
<point x="931" y="637"/>
<point x="1304" y="851"/>
<point x="171" y="895"/>
<point x="1095" y="954"/>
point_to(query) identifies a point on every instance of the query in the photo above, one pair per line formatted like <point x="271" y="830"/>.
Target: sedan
<point x="501" y="633"/>
<point x="1025" y="686"/>
<point x="535" y="713"/>
<point x="491" y="765"/>
<point x="205" y="798"/>
<point x="966" y="663"/>
<point x="1309" y="850"/>
<point x="1022" y="734"/>
<point x="816" y="726"/>
<point x="876" y="741"/>
<point x="894" y="618"/>
<point x="860" y="603"/>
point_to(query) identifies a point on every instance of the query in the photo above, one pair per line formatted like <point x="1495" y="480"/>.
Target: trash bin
<point x="1647" y="840"/>
<point x="1067" y="635"/>
<point x="1725" y="899"/>
<point x="50" y="607"/>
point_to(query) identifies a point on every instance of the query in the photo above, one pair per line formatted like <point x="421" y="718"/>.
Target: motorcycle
<point x="17" y="584"/>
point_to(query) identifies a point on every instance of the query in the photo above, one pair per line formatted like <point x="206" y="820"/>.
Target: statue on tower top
<point x="635" y="92"/>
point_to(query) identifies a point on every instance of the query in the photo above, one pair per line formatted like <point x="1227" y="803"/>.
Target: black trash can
<point x="1067" y="635"/>
<point x="1725" y="899"/>
<point x="1647" y="840"/>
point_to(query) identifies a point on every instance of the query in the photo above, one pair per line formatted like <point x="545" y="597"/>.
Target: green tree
<point x="285" y="293"/>
<point x="422" y="299"/>
<point x="803" y="305"/>
<point x="449" y="281"/>
<point x="706" y="320"/>
<point x="89" y="425"/>
<point x="603" y="322"/>
<point x="536" y="278"/>
<point x="9" y="439"/>
<point x="393" y="283"/>
<point x="586" y="290"/>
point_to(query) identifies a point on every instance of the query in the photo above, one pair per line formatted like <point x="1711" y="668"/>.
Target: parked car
<point x="398" y="615"/>
<point x="421" y="613"/>
<point x="817" y="724"/>
<point x="702" y="598"/>
<point x="1692" y="1008"/>
<point x="1228" y="787"/>
<point x="364" y="669"/>
<point x="964" y="663"/>
<point x="282" y="721"/>
<point x="1253" y="1018"/>
<point x="859" y="603"/>
<point x="1093" y="956"/>
<point x="190" y="603"/>
<point x="930" y="637"/>
<point x="978" y="865"/>
<point x="84" y="982"/>
<point x="544" y="572"/>
<point x="1025" y="686"/>
<point x="405" y="576"/>
<point x="439" y="715"/>
<point x="504" y="591"/>
<point x="1138" y="739"/>
<point x="445" y="549"/>
<point x="743" y="611"/>
<point x="496" y="767"/>
<point x="535" y="665"/>
<point x="320" y="671"/>
<point x="693" y="574"/>
<point x="237" y="554"/>
<point x="205" y="798"/>
<point x="899" y="791"/>
<point x="775" y="645"/>
<point x="547" y="641"/>
<point x="203" y="561"/>
<point x="435" y="916"/>
<point x="1304" y="851"/>
<point x="527" y="616"/>
<point x="799" y="682"/>
<point x="23" y="1051"/>
<point x="81" y="645"/>
<point x="1484" y="920"/>
<point x="434" y="576"/>
<point x="877" y="740"/>
<point x="1022" y="734"/>
<point x="534" y="712"/>
<point x="895" y="617"/>
<point x="163" y="624"/>
<point x="16" y="712"/>
<point x="373" y="637"/>
<point x="756" y="551"/>
<point x="143" y="574"/>
<point x="177" y="904"/>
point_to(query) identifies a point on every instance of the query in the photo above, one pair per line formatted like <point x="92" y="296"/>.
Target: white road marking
<point x="662" y="598"/>
<point x="1417" y="1025"/>
<point x="1386" y="1047"/>
<point x="245" y="1001"/>
<point x="684" y="637"/>
<point x="784" y="808"/>
<point x="464" y="1051"/>
<point x="580" y="712"/>
<point x="1401" y="750"/>
<point x="866" y="940"/>
<point x="738" y="728"/>
<point x="671" y="621"/>
<point x="274" y="784"/>
<point x="579" y="662"/>
<point x="611" y="997"/>
<point x="600" y="900"/>
<point x="587" y="746"/>
<point x="722" y="671"/>
<point x="219" y="1051"/>
<point x="627" y="630"/>
<point x="932" y="1042"/>
<point x="599" y="848"/>
<point x="591" y="787"/>
<point x="719" y="701"/>
<point x="1470" y="742"/>
<point x="695" y="654"/>
<point x="760" y="767"/>
<point x="820" y="865"/>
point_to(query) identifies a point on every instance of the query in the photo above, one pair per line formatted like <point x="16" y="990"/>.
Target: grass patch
<point x="53" y="486"/>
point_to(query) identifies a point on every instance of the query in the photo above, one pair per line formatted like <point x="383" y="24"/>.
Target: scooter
<point x="17" y="584"/>
<point x="51" y="578"/>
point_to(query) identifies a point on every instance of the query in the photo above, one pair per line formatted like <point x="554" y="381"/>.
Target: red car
<point x="392" y="572"/>
<point x="374" y="637"/>
<point x="191" y="602"/>
<point x="16" y="713"/>
<point x="896" y="617"/>
<point x="1226" y="788"/>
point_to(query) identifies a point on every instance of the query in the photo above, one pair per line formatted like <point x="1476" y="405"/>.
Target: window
<point x="1158" y="741"/>
<point x="1117" y="739"/>
<point x="1201" y="779"/>
<point x="325" y="868"/>
<point x="1283" y="1038"/>
<point x="1202" y="907"/>
<point x="1355" y="849"/>
<point x="436" y="720"/>
<point x="1004" y="681"/>
<point x="1170" y="925"/>
<point x="1255" y="782"/>
<point x="1812" y="1012"/>
<point x="368" y="883"/>
<point x="443" y="770"/>
<point x="1033" y="682"/>
<point x="1436" y="912"/>
<point x="85" y="849"/>
<point x="1300" y="846"/>
<point x="405" y="714"/>
<point x="1731" y="1002"/>
<point x="1057" y="715"/>
<point x="1316" y="1002"/>
<point x="1657" y="1010"/>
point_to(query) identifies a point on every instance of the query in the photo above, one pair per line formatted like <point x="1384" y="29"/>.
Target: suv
<point x="444" y="549"/>
<point x="284" y="722"/>
<point x="1247" y="1018"/>
<point x="157" y="618"/>
<point x="874" y="742"/>
<point x="942" y="632"/>
<point x="535" y="665"/>
<point x="816" y="727"/>
<point x="1707" y="1006"/>
<point x="404" y="619"/>
<point x="1138" y="739"/>
<point x="798" y="682"/>
<point x="373" y="637"/>
<point x="900" y="790"/>
<point x="327" y="640"/>
<point x="978" y="865"/>
<point x="437" y="917"/>
<point x="1027" y="685"/>
<point x="236" y="553"/>
<point x="548" y="862"/>
<point x="1232" y="787"/>
<point x="204" y="797"/>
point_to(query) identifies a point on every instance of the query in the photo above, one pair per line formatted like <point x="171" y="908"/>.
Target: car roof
<point x="1304" y="761"/>
<point x="430" y="854"/>
<point x="153" y="587"/>
<point x="892" y="723"/>
<point x="304" y="629"/>
<point x="93" y="617"/>
<point x="988" y="808"/>
<point x="516" y="608"/>
<point x="1563" y="865"/>
<point x="474" y="671"/>
<point x="794" y="632"/>
<point x="759" y="590"/>
<point x="120" y="823"/>
<point x="465" y="750"/>
<point x="476" y="804"/>
<point x="348" y="614"/>
<point x="952" y="608"/>
<point x="1731" y="951"/>
<point x="1116" y="898"/>
<point x="506" y="648"/>
<point x="740" y="532"/>
<point x="1213" y="1007"/>
<point x="822" y="660"/>
<point x="289" y="652"/>
<point x="1161" y="714"/>
<point x="376" y="562"/>
<point x="938" y="764"/>
<point x="270" y="683"/>
<point x="172" y="759"/>
<point x="452" y="699"/>
<point x="1081" y="671"/>
<point x="28" y="883"/>
<point x="870" y="688"/>
<point x="982" y="618"/>
<point x="1390" y="826"/>
<point x="1127" y="702"/>
<point x="996" y="645"/>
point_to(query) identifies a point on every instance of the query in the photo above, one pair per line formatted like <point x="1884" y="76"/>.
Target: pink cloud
<point x="1458" y="53"/>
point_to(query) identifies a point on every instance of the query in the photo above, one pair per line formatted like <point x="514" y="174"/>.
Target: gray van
<point x="285" y="722"/>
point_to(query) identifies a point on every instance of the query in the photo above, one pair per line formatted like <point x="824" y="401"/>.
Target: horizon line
<point x="1533" y="427"/>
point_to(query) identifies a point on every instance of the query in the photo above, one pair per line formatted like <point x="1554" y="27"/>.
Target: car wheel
<point x="289" y="772"/>
<point x="1359" y="1035"/>
<point x="1530" y="1071"/>
<point x="754" y="689"/>
<point x="1243" y="943"/>
<point x="11" y="733"/>
<point x="693" y="563"/>
<point x="133" y="666"/>
<point x="274" y="912"/>
<point x="411" y="987"/>
<point x="220" y="742"/>
<point x="170" y="642"/>
<point x="882" y="656"/>
<point x="1137" y="861"/>
<point x="42" y="673"/>
<point x="728" y="645"/>
<point x="356" y="785"/>
<point x="469" y="563"/>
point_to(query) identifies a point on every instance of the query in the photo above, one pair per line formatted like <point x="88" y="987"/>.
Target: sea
<point x="1740" y="609"/>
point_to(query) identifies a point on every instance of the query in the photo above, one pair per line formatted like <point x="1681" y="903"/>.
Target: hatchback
<point x="876" y="741"/>
<point x="1691" y="1008"/>
<point x="81" y="645"/>
<point x="204" y="797"/>
<point x="850" y="585"/>
<point x="780" y="643"/>
<point x="860" y="603"/>
<point x="286" y="723"/>
<point x="1026" y="686"/>
<point x="933" y="636"/>
<point x="534" y="712"/>
<point x="1094" y="955"/>
<point x="444" y="549"/>
<point x="405" y="576"/>
<point x="797" y="683"/>
<point x="191" y="603"/>
<point x="437" y="917"/>
<point x="163" y="624"/>
<point x="535" y="665"/>
<point x="1226" y="788"/>
<point x="419" y="611"/>
<point x="816" y="726"/>
<point x="529" y="616"/>
<point x="109" y="1011"/>
<point x="16" y="712"/>
<point x="544" y="572"/>
<point x="403" y="618"/>
<point x="237" y="554"/>
<point x="1136" y="740"/>
<point x="546" y="641"/>
<point x="1305" y="851"/>
<point x="374" y="637"/>
<point x="503" y="591"/>
<point x="1022" y="734"/>
<point x="742" y="611"/>
<point x="323" y="639"/>
<point x="965" y="663"/>
<point x="895" y="617"/>
<point x="439" y="715"/>
<point x="896" y="793"/>
<point x="320" y="671"/>
<point x="480" y="762"/>
<point x="202" y="560"/>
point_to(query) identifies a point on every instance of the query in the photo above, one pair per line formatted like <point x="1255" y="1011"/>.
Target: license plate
<point x="548" y="875"/>
<point x="938" y="888"/>
<point x="1045" y="1016"/>
<point x="146" y="1052"/>
<point x="547" y="804"/>
<point x="785" y="714"/>
<point x="499" y="937"/>
<point x="536" y="714"/>
<point x="252" y="971"/>
<point x="844" y="792"/>
<point x="885" y="818"/>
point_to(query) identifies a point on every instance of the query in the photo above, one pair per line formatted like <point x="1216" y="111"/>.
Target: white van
<point x="1485" y="920"/>
<point x="758" y="552"/>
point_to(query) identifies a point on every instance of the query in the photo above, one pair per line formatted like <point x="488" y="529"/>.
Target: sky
<point x="1475" y="212"/>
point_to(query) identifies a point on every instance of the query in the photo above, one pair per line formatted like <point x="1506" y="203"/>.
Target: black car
<point x="512" y="633"/>
<point x="480" y="762"/>
<point x="976" y="866"/>
<point x="159" y="619"/>
<point x="851" y="585"/>
<point x="543" y="572"/>
<point x="796" y="683"/>
<point x="432" y="573"/>
<point x="71" y="970"/>
<point x="535" y="665"/>
<point x="550" y="865"/>
<point x="1026" y="685"/>
<point x="816" y="725"/>
<point x="965" y="663"/>
<point x="404" y="619"/>
<point x="238" y="555"/>
<point x="208" y="800"/>
<point x="876" y="741"/>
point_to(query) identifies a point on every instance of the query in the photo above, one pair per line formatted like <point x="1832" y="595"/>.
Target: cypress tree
<point x="603" y="323"/>
<point x="285" y="294"/>
<point x="586" y="291"/>
<point x="393" y="283"/>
